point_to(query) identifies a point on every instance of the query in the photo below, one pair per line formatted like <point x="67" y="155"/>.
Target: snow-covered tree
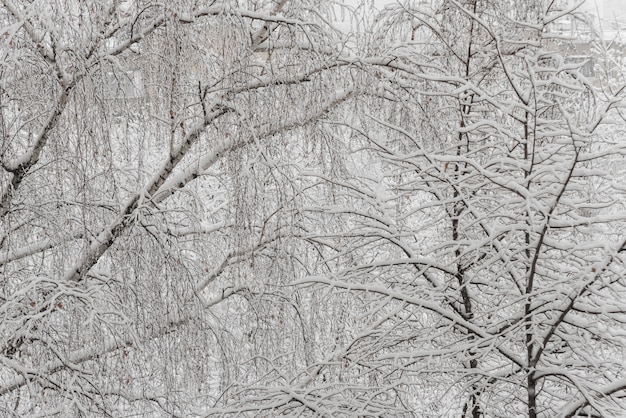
<point x="485" y="232"/>
<point x="148" y="195"/>
<point x="244" y="208"/>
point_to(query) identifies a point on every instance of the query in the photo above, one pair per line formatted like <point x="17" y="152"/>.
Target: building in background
<point x="610" y="15"/>
<point x="595" y="18"/>
<point x="593" y="37"/>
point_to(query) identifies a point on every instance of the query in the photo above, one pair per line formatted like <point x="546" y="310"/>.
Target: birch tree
<point x="147" y="192"/>
<point x="236" y="209"/>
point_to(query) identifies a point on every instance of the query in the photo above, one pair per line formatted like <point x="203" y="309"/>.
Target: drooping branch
<point x="109" y="346"/>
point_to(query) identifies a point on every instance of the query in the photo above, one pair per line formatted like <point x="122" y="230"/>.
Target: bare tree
<point x="237" y="209"/>
<point x="485" y="234"/>
<point x="145" y="181"/>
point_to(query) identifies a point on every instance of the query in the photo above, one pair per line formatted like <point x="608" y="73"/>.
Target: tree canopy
<point x="310" y="208"/>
